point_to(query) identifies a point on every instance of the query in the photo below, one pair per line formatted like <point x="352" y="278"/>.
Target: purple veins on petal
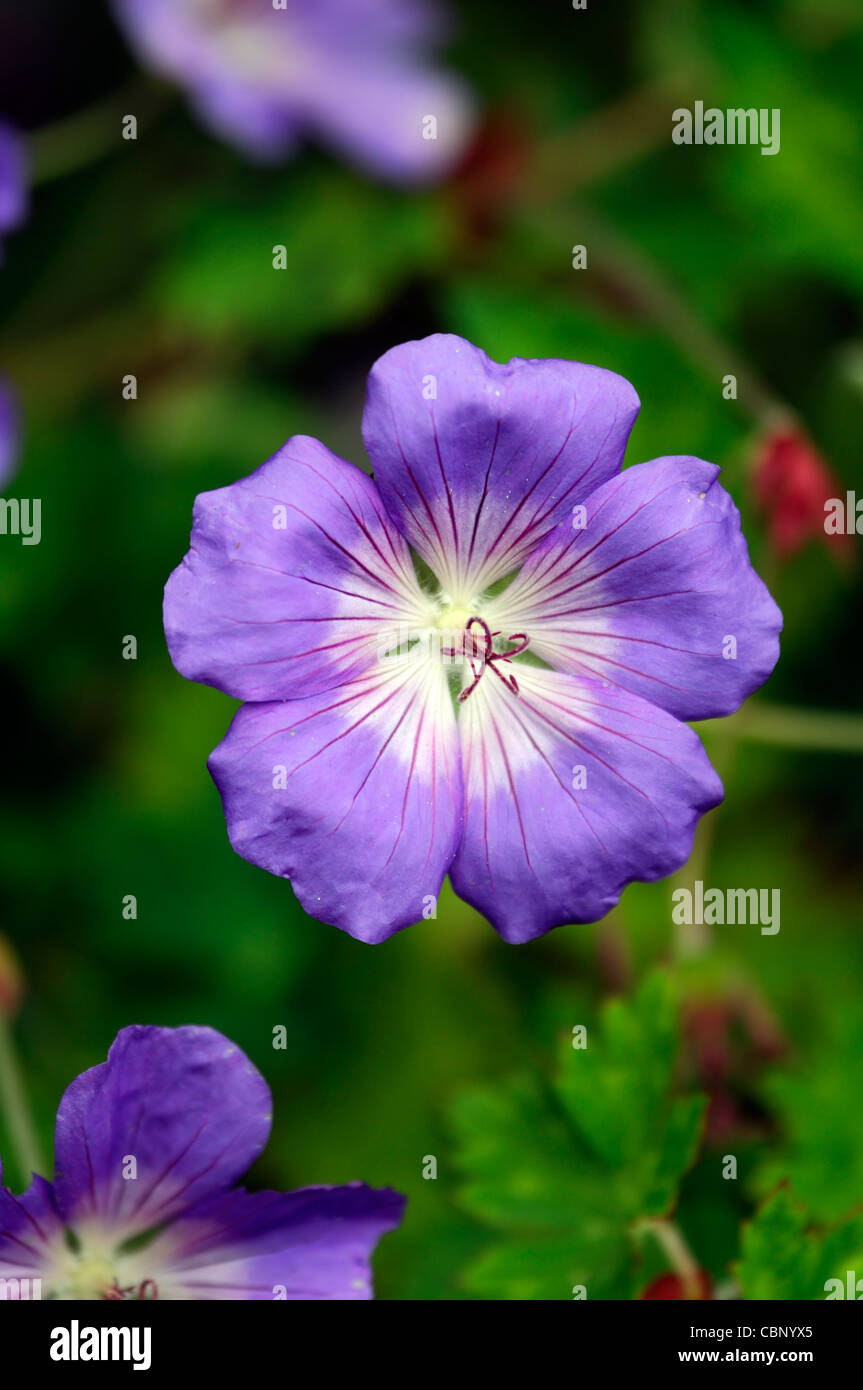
<point x="148" y="1147"/>
<point x="477" y="473"/>
<point x="535" y="852"/>
<point x="353" y="794"/>
<point x="655" y="594"/>
<point x="295" y="579"/>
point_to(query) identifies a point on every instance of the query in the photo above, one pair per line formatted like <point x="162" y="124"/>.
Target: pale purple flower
<point x="13" y="181"/>
<point x="542" y="789"/>
<point x="150" y="1143"/>
<point x="354" y="74"/>
<point x="13" y="209"/>
<point x="8" y="433"/>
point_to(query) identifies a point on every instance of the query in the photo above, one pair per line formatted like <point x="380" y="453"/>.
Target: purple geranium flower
<point x="151" y="1143"/>
<point x="348" y="771"/>
<point x="349" y="72"/>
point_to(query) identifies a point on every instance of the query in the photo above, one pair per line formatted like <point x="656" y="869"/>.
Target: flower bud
<point x="11" y="980"/>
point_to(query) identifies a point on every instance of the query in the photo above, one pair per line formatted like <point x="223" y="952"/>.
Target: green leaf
<point x="785" y="1257"/>
<point x="618" y="1096"/>
<point x="566" y="1170"/>
<point x="552" y="1267"/>
<point x="518" y="1154"/>
<point x="822" y="1147"/>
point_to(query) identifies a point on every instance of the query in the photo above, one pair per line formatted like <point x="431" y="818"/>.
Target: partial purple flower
<point x="13" y="209"/>
<point x="354" y="74"/>
<point x="13" y="181"/>
<point x="581" y="614"/>
<point x="148" y="1146"/>
<point x="8" y="433"/>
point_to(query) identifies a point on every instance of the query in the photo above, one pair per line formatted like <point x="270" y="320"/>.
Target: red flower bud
<point x="791" y="484"/>
<point x="671" y="1286"/>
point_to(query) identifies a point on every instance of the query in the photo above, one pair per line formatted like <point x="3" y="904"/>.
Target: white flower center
<point x="96" y="1270"/>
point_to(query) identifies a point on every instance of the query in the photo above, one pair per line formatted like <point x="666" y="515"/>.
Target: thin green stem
<point x="76" y="141"/>
<point x="601" y="144"/>
<point x="653" y="295"/>
<point x="758" y="722"/>
<point x="694" y="938"/>
<point x="674" y="1247"/>
<point x="791" y="727"/>
<point x="15" y="1110"/>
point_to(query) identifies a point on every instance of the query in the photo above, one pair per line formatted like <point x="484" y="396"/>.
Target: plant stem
<point x="602" y="143"/>
<point x="822" y="731"/>
<point x="758" y="722"/>
<point x="654" y="296"/>
<point x="14" y="1107"/>
<point x="78" y="140"/>
<point x="693" y="938"/>
<point x="672" y="1242"/>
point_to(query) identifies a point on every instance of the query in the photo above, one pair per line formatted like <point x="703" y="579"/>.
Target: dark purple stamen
<point x="483" y="657"/>
<point x="116" y="1293"/>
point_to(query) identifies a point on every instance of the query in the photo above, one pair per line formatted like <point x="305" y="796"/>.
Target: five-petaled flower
<point x="147" y="1149"/>
<point x="584" y="611"/>
<point x="352" y="73"/>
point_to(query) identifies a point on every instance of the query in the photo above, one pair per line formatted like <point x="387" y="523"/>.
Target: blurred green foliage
<point x="567" y="1172"/>
<point x="784" y="1256"/>
<point x="156" y="259"/>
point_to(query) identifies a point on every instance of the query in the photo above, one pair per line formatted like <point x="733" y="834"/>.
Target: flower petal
<point x="184" y="1103"/>
<point x="379" y="112"/>
<point x="477" y="462"/>
<point x="312" y="1244"/>
<point x="655" y="593"/>
<point x="258" y="124"/>
<point x="354" y="796"/>
<point x="13" y="179"/>
<point x="572" y="789"/>
<point x="9" y="430"/>
<point x="355" y="72"/>
<point x="293" y="576"/>
<point x="30" y="1226"/>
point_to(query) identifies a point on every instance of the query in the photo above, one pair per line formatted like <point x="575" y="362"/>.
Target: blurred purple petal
<point x="354" y="73"/>
<point x="9" y="433"/>
<point x="13" y="180"/>
<point x="147" y="1146"/>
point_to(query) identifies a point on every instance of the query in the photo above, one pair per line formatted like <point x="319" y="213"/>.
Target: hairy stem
<point x="15" y="1110"/>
